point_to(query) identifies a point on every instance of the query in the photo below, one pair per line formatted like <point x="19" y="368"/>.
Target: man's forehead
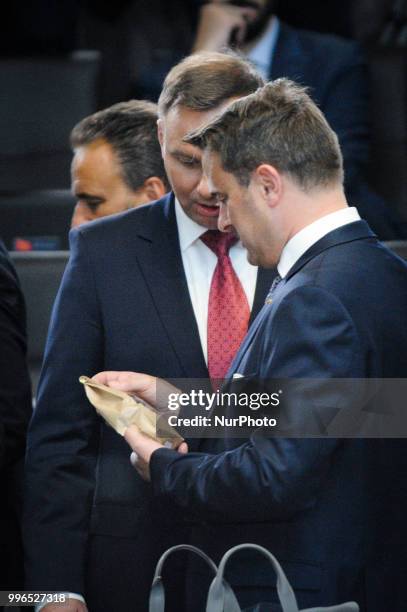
<point x="180" y="120"/>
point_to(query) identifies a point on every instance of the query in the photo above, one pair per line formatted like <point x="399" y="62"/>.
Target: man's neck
<point x="311" y="233"/>
<point x="313" y="206"/>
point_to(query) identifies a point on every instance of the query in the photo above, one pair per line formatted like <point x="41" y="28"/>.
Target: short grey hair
<point x="204" y="80"/>
<point x="279" y="125"/>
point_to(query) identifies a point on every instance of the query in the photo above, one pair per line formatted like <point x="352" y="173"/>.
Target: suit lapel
<point x="264" y="281"/>
<point x="161" y="263"/>
<point x="247" y="342"/>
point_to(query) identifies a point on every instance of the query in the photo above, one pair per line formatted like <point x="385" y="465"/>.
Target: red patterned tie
<point x="228" y="309"/>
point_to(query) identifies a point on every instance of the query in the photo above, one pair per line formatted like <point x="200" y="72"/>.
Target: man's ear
<point x="154" y="188"/>
<point x="271" y="183"/>
<point x="160" y="132"/>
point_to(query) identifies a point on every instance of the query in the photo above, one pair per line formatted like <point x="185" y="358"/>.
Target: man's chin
<point x="252" y="258"/>
<point x="256" y="259"/>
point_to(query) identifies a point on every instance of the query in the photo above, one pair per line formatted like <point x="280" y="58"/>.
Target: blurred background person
<point x="117" y="161"/>
<point x="15" y="412"/>
<point x="66" y="60"/>
<point x="333" y="68"/>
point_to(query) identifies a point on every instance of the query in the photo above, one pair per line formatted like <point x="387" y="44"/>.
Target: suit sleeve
<point x="15" y="391"/>
<point x="310" y="336"/>
<point x="63" y="436"/>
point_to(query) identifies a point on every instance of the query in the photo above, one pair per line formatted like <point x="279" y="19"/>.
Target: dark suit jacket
<point x="15" y="411"/>
<point x="123" y="305"/>
<point x="334" y="70"/>
<point x="340" y="312"/>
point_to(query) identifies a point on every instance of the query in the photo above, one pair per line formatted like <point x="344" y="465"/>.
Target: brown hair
<point x="131" y="129"/>
<point x="279" y="125"/>
<point x="204" y="80"/>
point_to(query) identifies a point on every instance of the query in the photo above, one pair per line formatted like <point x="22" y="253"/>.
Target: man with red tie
<point x="158" y="290"/>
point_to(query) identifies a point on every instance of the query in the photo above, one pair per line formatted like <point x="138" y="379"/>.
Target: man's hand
<point x="218" y="20"/>
<point x="143" y="385"/>
<point x="143" y="447"/>
<point x="73" y="605"/>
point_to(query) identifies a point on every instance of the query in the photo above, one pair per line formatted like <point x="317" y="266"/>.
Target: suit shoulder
<point x="356" y="272"/>
<point x="364" y="256"/>
<point x="328" y="46"/>
<point x="115" y="229"/>
<point x="7" y="271"/>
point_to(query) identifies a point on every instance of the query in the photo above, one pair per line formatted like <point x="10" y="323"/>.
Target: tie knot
<point x="219" y="242"/>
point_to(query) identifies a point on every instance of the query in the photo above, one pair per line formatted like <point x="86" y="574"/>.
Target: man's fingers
<point x="104" y="378"/>
<point x="133" y="383"/>
<point x="120" y="380"/>
<point x="132" y="435"/>
<point x="183" y="448"/>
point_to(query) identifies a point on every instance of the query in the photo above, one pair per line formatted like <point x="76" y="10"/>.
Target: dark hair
<point x="280" y="125"/>
<point x="204" y="80"/>
<point x="131" y="129"/>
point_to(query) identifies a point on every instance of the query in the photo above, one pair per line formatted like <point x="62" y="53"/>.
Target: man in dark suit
<point x="332" y="67"/>
<point x="134" y="296"/>
<point x="338" y="311"/>
<point x="15" y="411"/>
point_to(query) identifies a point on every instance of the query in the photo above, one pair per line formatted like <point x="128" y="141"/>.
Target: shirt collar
<point x="305" y="238"/>
<point x="261" y="55"/>
<point x="188" y="230"/>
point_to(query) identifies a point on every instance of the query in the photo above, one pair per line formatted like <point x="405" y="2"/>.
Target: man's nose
<point x="79" y="216"/>
<point x="224" y="223"/>
<point x="203" y="189"/>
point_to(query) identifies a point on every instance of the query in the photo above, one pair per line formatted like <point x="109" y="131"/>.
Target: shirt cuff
<point x="70" y="595"/>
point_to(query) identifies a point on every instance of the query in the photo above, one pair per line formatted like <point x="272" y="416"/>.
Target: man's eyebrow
<point x="88" y="197"/>
<point x="181" y="153"/>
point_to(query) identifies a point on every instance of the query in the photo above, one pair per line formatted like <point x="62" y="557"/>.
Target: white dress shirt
<point x="310" y="234"/>
<point x="199" y="265"/>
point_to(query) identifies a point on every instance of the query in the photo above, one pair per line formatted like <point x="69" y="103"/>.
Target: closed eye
<point x="187" y="160"/>
<point x="92" y="202"/>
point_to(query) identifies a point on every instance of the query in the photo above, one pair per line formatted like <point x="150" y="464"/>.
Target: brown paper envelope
<point x="120" y="410"/>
